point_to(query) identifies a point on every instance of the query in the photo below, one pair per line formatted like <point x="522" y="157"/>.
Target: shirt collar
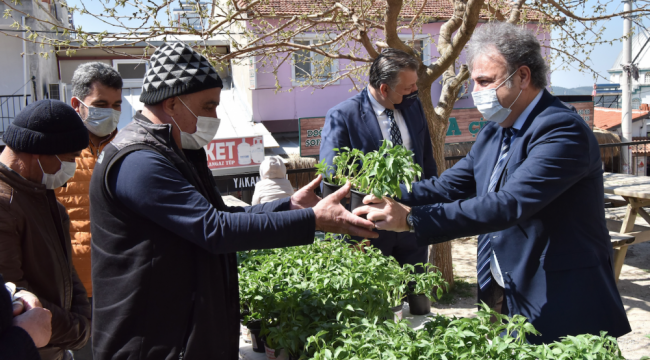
<point x="519" y="123"/>
<point x="376" y="106"/>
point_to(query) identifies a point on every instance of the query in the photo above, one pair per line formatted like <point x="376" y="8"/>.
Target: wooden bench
<point x="612" y="201"/>
<point x="619" y="240"/>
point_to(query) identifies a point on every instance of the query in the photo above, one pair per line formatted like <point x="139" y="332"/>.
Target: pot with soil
<point x="356" y="200"/>
<point x="244" y="332"/>
<point x="329" y="189"/>
<point x="255" y="327"/>
<point x="419" y="304"/>
<point x="397" y="312"/>
<point x="275" y="354"/>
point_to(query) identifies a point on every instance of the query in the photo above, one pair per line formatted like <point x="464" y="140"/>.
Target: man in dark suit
<point x="388" y="108"/>
<point x="532" y="186"/>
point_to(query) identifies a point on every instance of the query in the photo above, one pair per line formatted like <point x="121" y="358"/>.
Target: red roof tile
<point x="606" y="118"/>
<point x="439" y="9"/>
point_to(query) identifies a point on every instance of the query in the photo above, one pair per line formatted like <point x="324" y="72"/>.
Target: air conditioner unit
<point x="55" y="92"/>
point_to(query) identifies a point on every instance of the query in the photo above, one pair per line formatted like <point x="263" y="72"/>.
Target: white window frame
<point x="426" y="50"/>
<point x="646" y="78"/>
<point x="128" y="83"/>
<point x="335" y="63"/>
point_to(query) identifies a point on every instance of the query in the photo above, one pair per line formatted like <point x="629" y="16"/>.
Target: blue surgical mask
<point x="488" y="104"/>
<point x="101" y="121"/>
<point x="407" y="101"/>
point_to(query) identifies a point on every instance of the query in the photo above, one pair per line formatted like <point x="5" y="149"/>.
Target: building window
<point x="636" y="103"/>
<point x="420" y="45"/>
<point x="646" y="78"/>
<point x="311" y="66"/>
<point x="191" y="15"/>
<point x="131" y="69"/>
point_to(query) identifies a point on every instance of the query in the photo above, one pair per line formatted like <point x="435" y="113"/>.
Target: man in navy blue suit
<point x="389" y="108"/>
<point x="532" y="186"/>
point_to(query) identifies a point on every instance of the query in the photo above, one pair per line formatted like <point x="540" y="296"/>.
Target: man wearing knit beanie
<point x="164" y="265"/>
<point x="42" y="144"/>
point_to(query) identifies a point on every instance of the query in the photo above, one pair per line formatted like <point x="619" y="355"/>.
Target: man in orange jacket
<point x="97" y="98"/>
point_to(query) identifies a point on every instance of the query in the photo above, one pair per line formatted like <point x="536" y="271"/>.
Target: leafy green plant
<point x="378" y="172"/>
<point x="384" y="170"/>
<point x="427" y="281"/>
<point x="345" y="166"/>
<point x="455" y="339"/>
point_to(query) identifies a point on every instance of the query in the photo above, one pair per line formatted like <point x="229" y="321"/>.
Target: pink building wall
<point x="267" y="106"/>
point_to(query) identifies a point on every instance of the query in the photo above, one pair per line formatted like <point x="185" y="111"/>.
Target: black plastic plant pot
<point x="356" y="200"/>
<point x="397" y="312"/>
<point x="328" y="189"/>
<point x="257" y="341"/>
<point x="419" y="304"/>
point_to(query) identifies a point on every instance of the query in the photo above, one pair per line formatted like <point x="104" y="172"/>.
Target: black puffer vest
<point x="156" y="295"/>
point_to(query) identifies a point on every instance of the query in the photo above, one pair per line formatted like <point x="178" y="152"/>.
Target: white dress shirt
<point x="384" y="123"/>
<point x="494" y="263"/>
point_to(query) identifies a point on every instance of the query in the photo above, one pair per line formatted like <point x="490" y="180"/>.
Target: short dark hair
<point x="387" y="66"/>
<point x="86" y="74"/>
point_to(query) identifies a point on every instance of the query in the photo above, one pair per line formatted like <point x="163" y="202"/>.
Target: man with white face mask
<point x="532" y="187"/>
<point x="164" y="246"/>
<point x="42" y="144"/>
<point x="97" y="98"/>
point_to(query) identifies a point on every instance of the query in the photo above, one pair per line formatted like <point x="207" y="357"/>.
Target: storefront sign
<point x="464" y="125"/>
<point x="310" y="131"/>
<point x="236" y="152"/>
<point x="586" y="110"/>
<point x="237" y="182"/>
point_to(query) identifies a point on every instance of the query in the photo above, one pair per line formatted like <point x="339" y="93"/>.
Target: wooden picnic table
<point x="636" y="192"/>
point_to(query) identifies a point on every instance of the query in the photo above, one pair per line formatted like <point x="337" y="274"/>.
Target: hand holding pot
<point x="331" y="216"/>
<point x="386" y="213"/>
<point x="305" y="197"/>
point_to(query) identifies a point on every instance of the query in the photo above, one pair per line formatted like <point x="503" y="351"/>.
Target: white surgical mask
<point x="65" y="173"/>
<point x="487" y="103"/>
<point x="206" y="129"/>
<point x="101" y="121"/>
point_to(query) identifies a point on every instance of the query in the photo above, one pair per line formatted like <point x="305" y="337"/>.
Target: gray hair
<point x="517" y="45"/>
<point x="88" y="73"/>
<point x="387" y="66"/>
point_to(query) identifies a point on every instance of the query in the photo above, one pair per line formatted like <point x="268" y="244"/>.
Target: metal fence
<point x="626" y="158"/>
<point x="10" y="105"/>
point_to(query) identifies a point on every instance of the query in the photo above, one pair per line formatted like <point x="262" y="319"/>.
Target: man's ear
<point x="75" y="103"/>
<point x="525" y="76"/>
<point x="169" y="106"/>
<point x="383" y="90"/>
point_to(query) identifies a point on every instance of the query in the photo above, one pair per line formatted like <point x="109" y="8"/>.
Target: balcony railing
<point x="10" y="106"/>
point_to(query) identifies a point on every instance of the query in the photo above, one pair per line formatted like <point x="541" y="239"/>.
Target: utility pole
<point x="626" y="85"/>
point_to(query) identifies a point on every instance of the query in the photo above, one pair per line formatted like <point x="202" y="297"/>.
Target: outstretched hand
<point x="331" y="216"/>
<point x="306" y="197"/>
<point x="386" y="213"/>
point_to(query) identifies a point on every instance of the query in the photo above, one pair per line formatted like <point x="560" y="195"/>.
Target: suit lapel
<point x="543" y="103"/>
<point x="370" y="120"/>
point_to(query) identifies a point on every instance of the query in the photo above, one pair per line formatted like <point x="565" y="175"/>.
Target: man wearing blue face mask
<point x="164" y="263"/>
<point x="388" y="108"/>
<point x="43" y="142"/>
<point x="532" y="188"/>
<point x="97" y="98"/>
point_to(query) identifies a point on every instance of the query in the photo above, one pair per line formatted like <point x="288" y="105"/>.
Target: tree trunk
<point x="439" y="254"/>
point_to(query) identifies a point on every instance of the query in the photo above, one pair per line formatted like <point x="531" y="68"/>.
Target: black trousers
<point x="494" y="297"/>
<point x="402" y="246"/>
